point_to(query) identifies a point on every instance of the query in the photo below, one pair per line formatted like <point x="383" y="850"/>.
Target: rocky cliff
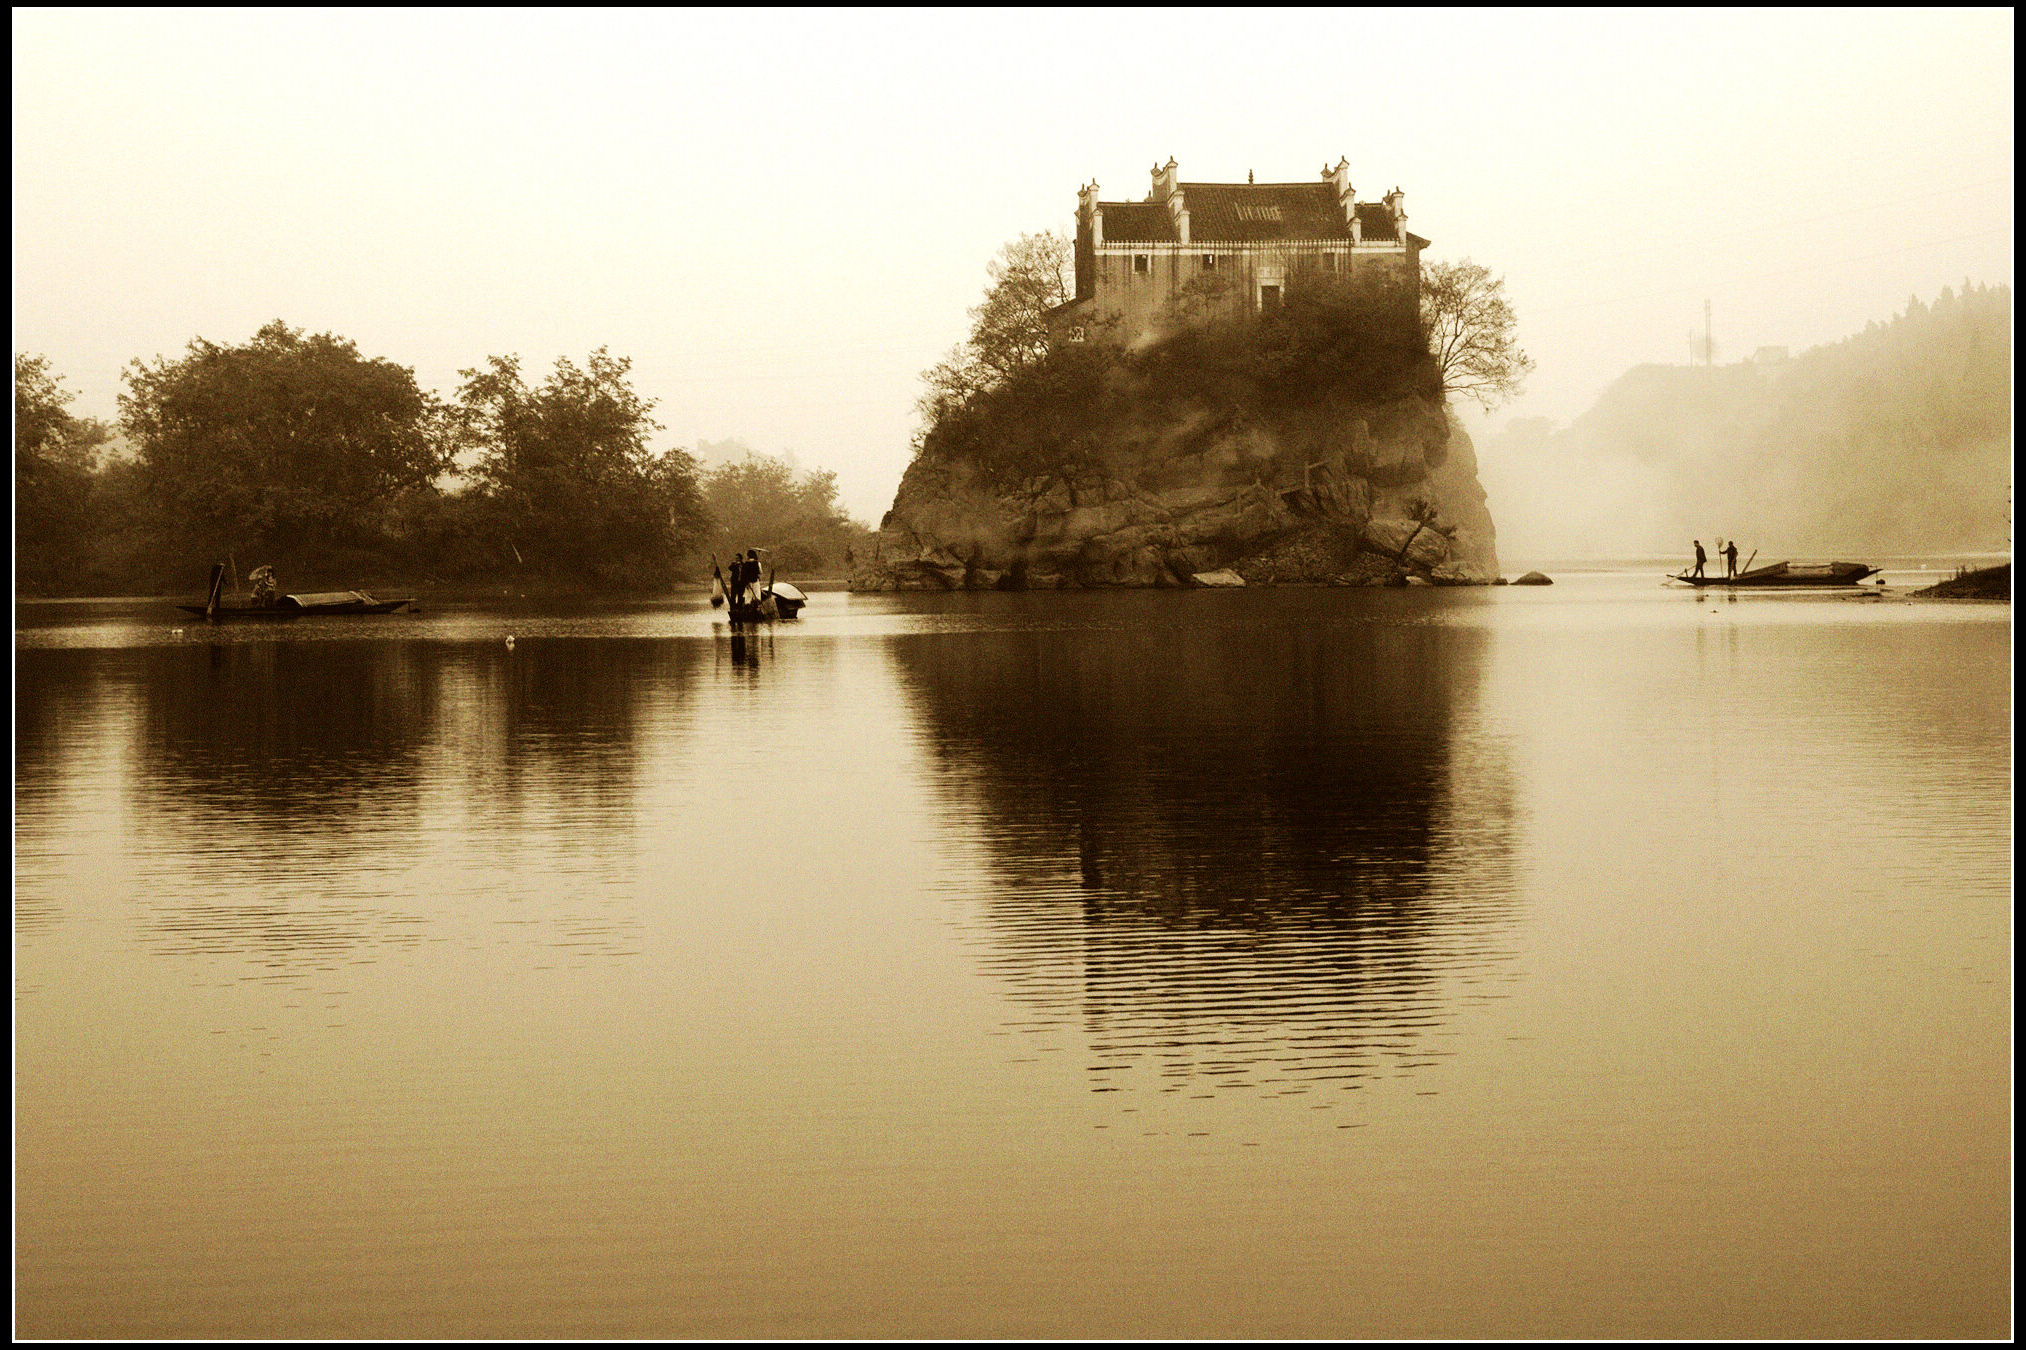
<point x="1368" y="495"/>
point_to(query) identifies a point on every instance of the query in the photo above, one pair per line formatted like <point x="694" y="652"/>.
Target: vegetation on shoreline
<point x="337" y="469"/>
<point x="1014" y="406"/>
<point x="1985" y="583"/>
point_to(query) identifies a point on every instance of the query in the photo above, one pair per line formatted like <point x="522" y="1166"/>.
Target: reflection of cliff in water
<point x="301" y="803"/>
<point x="1242" y="857"/>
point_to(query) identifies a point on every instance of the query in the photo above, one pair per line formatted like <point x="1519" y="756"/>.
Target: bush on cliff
<point x="1332" y="341"/>
<point x="1052" y="418"/>
<point x="1332" y="344"/>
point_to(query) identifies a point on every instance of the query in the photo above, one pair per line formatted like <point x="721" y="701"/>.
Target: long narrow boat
<point x="216" y="606"/>
<point x="1786" y="575"/>
<point x="294" y="606"/>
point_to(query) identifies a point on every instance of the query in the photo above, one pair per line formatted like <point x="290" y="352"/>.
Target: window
<point x="1269" y="297"/>
<point x="1142" y="264"/>
<point x="1209" y="262"/>
<point x="1076" y="333"/>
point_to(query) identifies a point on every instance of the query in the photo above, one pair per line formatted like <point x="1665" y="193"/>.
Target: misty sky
<point x="782" y="217"/>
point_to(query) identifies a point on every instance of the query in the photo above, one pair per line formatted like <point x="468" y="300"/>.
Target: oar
<point x="1748" y="563"/>
<point x="217" y="584"/>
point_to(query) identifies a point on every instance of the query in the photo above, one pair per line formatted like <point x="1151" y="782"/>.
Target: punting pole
<point x="217" y="585"/>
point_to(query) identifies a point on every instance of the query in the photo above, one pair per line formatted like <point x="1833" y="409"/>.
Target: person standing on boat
<point x="752" y="576"/>
<point x="1730" y="557"/>
<point x="1700" y="558"/>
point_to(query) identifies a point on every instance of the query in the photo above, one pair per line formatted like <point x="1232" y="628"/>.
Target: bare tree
<point x="1470" y="329"/>
<point x="1009" y="327"/>
<point x="1031" y="275"/>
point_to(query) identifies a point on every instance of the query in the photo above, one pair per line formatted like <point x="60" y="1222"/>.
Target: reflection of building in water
<point x="1276" y="857"/>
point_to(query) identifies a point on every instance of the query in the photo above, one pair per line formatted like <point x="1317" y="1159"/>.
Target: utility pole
<point x="1708" y="336"/>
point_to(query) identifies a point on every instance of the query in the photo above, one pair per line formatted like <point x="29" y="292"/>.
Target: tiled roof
<point x="1243" y="213"/>
<point x="1238" y="213"/>
<point x="1139" y="222"/>
<point x="1375" y="221"/>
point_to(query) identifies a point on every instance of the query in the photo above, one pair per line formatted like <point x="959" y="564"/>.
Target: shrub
<point x="1333" y="344"/>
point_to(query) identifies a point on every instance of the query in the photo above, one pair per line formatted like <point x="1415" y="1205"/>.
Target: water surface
<point x="1594" y="960"/>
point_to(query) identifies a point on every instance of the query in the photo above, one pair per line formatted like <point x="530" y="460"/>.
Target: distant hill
<point x="1895" y="440"/>
<point x="732" y="450"/>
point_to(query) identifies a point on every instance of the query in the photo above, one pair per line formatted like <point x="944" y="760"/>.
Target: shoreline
<point x="1985" y="583"/>
<point x="441" y="595"/>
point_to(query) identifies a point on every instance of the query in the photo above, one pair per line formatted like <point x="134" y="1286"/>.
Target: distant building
<point x="1770" y="356"/>
<point x="1193" y="251"/>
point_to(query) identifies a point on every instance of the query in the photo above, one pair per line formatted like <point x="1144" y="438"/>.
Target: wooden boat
<point x="289" y="606"/>
<point x="1786" y="575"/>
<point x="788" y="599"/>
<point x="776" y="600"/>
<point x="292" y="606"/>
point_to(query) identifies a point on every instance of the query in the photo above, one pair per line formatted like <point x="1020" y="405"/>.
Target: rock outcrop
<point x="1372" y="499"/>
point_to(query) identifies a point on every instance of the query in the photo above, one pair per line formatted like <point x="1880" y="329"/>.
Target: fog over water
<point x="1896" y="440"/>
<point x="782" y="218"/>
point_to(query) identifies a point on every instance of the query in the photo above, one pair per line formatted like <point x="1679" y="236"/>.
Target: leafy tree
<point x="1333" y="340"/>
<point x="1009" y="328"/>
<point x="55" y="463"/>
<point x="42" y="419"/>
<point x="1353" y="338"/>
<point x="564" y="471"/>
<point x="760" y="502"/>
<point x="1470" y="326"/>
<point x="282" y="447"/>
<point x="949" y="386"/>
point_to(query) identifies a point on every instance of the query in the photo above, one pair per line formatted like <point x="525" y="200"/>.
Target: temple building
<point x="1192" y="251"/>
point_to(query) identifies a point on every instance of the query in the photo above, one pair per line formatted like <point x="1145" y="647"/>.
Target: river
<point x="1590" y="960"/>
